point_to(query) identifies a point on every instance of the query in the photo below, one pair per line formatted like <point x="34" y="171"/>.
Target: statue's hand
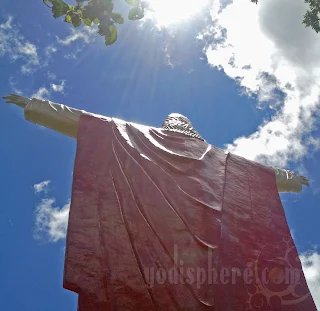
<point x="288" y="181"/>
<point x="17" y="100"/>
<point x="303" y="180"/>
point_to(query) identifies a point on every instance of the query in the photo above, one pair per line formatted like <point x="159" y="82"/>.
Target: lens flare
<point x="167" y="12"/>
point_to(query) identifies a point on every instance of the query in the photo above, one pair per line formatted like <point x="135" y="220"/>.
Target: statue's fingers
<point x="17" y="100"/>
<point x="17" y="97"/>
<point x="11" y="95"/>
<point x="304" y="180"/>
<point x="11" y="98"/>
<point x="6" y="97"/>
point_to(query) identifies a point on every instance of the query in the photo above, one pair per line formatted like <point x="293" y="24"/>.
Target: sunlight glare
<point x="168" y="12"/>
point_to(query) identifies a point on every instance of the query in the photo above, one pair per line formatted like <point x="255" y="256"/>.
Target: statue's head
<point x="176" y="122"/>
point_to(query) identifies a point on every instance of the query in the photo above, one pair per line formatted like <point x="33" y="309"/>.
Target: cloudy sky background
<point x="248" y="76"/>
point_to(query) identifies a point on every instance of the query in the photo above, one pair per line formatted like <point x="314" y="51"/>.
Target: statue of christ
<point x="162" y="220"/>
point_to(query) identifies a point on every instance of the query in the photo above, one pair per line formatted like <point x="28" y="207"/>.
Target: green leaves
<point x="104" y="29"/>
<point x="132" y="2"/>
<point x="109" y="32"/>
<point x="68" y="19"/>
<point x="135" y="14"/>
<point x="99" y="12"/>
<point x="87" y="21"/>
<point x="111" y="37"/>
<point x="311" y="17"/>
<point x="117" y="18"/>
<point x="109" y="7"/>
<point x="106" y="2"/>
<point x="89" y="12"/>
<point x="59" y="8"/>
<point x="76" y="20"/>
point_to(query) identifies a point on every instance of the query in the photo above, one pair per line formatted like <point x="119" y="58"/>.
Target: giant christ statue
<point x="162" y="220"/>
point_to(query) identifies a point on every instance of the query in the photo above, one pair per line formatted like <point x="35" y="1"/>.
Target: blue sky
<point x="247" y="76"/>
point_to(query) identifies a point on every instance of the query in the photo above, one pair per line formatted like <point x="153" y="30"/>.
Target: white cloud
<point x="80" y="35"/>
<point x="58" y="87"/>
<point x="51" y="75"/>
<point x="42" y="93"/>
<point x="51" y="222"/>
<point x="50" y="49"/>
<point x="292" y="232"/>
<point x="311" y="268"/>
<point x="86" y="34"/>
<point x="16" y="47"/>
<point x="273" y="56"/>
<point x="13" y="86"/>
<point x="74" y="54"/>
<point x="42" y="186"/>
<point x="7" y="24"/>
<point x="70" y="56"/>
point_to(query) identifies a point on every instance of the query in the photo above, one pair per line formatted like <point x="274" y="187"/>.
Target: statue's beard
<point x="178" y="123"/>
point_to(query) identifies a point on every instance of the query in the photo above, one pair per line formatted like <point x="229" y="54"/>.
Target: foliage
<point x="98" y="12"/>
<point x="311" y="17"/>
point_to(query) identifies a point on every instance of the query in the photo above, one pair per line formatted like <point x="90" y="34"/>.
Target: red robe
<point x="161" y="221"/>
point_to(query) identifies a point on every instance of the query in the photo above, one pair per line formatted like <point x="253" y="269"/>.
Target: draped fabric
<point x="162" y="221"/>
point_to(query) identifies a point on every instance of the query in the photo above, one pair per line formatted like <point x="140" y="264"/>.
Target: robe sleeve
<point x="287" y="181"/>
<point x="57" y="117"/>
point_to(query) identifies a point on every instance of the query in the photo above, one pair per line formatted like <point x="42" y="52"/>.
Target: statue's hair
<point x="176" y="122"/>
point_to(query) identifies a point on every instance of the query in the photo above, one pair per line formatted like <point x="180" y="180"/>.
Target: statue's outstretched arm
<point x="65" y="120"/>
<point x="288" y="181"/>
<point x="57" y="117"/>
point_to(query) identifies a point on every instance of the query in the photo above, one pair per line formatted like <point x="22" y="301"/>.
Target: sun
<point x="167" y="12"/>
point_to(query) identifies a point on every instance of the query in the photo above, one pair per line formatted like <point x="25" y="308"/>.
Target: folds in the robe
<point x="159" y="220"/>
